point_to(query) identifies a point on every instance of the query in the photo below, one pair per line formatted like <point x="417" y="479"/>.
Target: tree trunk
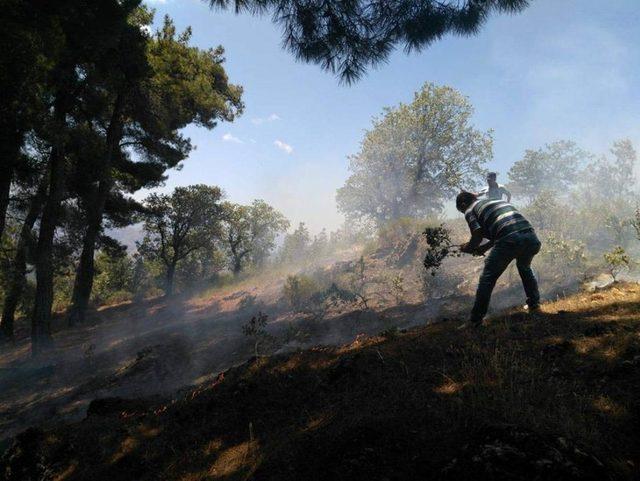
<point x="8" y="160"/>
<point x="236" y="256"/>
<point x="83" y="283"/>
<point x="171" y="271"/>
<point x="5" y="187"/>
<point x="41" y="317"/>
<point x="17" y="280"/>
<point x="237" y="266"/>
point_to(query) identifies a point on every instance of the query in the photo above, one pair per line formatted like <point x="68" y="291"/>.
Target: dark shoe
<point x="532" y="309"/>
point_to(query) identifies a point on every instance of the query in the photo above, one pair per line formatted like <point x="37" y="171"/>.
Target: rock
<point x="514" y="453"/>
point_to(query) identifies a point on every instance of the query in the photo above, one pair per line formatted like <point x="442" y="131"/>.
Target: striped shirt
<point x="496" y="218"/>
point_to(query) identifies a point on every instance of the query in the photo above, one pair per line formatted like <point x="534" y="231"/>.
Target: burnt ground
<point x="156" y="346"/>
<point x="556" y="396"/>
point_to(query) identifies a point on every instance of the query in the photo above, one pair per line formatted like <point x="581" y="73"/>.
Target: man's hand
<point x="465" y="248"/>
<point x="476" y="251"/>
<point x="480" y="250"/>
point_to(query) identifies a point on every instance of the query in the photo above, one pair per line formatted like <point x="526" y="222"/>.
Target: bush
<point x="256" y="330"/>
<point x="249" y="302"/>
<point x="62" y="290"/>
<point x="118" y="297"/>
<point x="618" y="261"/>
<point x="565" y="254"/>
<point x="152" y="292"/>
<point x="299" y="289"/>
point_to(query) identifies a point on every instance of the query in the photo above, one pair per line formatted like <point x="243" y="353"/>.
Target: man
<point x="494" y="191"/>
<point x="511" y="236"/>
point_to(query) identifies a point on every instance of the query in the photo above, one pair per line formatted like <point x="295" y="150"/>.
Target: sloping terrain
<point x="156" y="346"/>
<point x="553" y="397"/>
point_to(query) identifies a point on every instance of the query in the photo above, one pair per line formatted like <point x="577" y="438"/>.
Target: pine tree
<point x="349" y="36"/>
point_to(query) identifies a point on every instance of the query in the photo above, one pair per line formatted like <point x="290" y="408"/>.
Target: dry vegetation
<point x="430" y="402"/>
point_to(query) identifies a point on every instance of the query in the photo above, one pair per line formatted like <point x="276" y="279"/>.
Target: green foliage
<point x="255" y="329"/>
<point x="415" y="157"/>
<point x="546" y="212"/>
<point x="358" y="282"/>
<point x="619" y="226"/>
<point x="114" y="280"/>
<point x="552" y="169"/>
<point x="439" y="247"/>
<point x="348" y="37"/>
<point x="96" y="106"/>
<point x="189" y="84"/>
<point x="299" y="290"/>
<point x="575" y="195"/>
<point x="397" y="288"/>
<point x="180" y="224"/>
<point x="295" y="247"/>
<point x="62" y="290"/>
<point x="562" y="254"/>
<point x="320" y="244"/>
<point x="611" y="178"/>
<point x="144" y="277"/>
<point x="250" y="231"/>
<point x="200" y="266"/>
<point x="617" y="261"/>
<point x="635" y="222"/>
<point x="248" y="302"/>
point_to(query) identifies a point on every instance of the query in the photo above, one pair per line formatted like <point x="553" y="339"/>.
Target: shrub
<point x="397" y="288"/>
<point x="298" y="290"/>
<point x="255" y="329"/>
<point x="152" y="292"/>
<point x="118" y="297"/>
<point x="635" y="222"/>
<point x="562" y="253"/>
<point x="618" y="261"/>
<point x="249" y="302"/>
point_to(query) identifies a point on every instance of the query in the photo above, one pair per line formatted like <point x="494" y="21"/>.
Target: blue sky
<point x="561" y="69"/>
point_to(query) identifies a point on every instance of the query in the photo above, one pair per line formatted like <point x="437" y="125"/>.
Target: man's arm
<point x="506" y="192"/>
<point x="474" y="242"/>
<point x="483" y="248"/>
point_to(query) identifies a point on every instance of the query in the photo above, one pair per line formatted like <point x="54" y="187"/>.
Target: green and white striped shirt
<point x="496" y="218"/>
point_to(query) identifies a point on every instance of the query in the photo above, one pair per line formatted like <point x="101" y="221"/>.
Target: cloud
<point x="262" y="120"/>
<point x="283" y="146"/>
<point x="230" y="138"/>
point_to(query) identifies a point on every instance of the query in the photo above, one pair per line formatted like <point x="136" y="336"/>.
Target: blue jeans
<point x="521" y="246"/>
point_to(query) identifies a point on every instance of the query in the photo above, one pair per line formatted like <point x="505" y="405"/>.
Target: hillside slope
<point x="556" y="396"/>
